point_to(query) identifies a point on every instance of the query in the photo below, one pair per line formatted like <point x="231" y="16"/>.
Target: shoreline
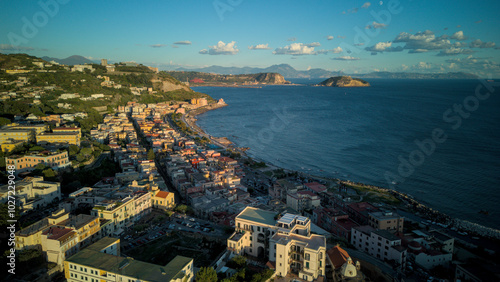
<point x="407" y="200"/>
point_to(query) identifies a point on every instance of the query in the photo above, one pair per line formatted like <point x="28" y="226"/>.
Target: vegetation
<point x="176" y="118"/>
<point x="206" y="274"/>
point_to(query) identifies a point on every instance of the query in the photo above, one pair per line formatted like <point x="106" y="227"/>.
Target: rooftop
<point x="162" y="194"/>
<point x="130" y="267"/>
<point x="338" y="256"/>
<point x="258" y="215"/>
<point x="387" y="235"/>
<point x="385" y="215"/>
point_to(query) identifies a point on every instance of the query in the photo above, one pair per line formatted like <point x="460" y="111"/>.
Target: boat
<point x="485" y="212"/>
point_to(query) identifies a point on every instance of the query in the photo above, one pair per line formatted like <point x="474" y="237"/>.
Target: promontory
<point x="344" y="81"/>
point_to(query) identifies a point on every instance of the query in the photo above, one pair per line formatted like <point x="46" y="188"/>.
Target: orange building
<point x="29" y="162"/>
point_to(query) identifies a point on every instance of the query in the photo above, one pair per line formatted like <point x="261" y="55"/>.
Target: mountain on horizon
<point x="284" y="69"/>
<point x="70" y="61"/>
<point x="289" y="72"/>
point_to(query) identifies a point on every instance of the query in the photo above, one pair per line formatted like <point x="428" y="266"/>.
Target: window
<point x="307" y="264"/>
<point x="307" y="257"/>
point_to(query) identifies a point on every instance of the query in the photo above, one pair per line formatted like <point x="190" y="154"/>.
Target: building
<point x="302" y="200"/>
<point x="37" y="128"/>
<point x="429" y="249"/>
<point x="102" y="262"/>
<point x="10" y="135"/>
<point x="386" y="221"/>
<point x="287" y="242"/>
<point x="381" y="244"/>
<point x="123" y="212"/>
<point x="334" y="221"/>
<point x="340" y="266"/>
<point x="54" y="160"/>
<point x="359" y="212"/>
<point x="30" y="237"/>
<point x="104" y="62"/>
<point x="82" y="68"/>
<point x="68" y="130"/>
<point x="71" y="138"/>
<point x="164" y="200"/>
<point x="9" y="146"/>
<point x="33" y="193"/>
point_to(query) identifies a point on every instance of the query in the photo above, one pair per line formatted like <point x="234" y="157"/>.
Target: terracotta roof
<point x="162" y="194"/>
<point x="338" y="256"/>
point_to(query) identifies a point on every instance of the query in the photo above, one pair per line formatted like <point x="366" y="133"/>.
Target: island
<point x="192" y="78"/>
<point x="344" y="81"/>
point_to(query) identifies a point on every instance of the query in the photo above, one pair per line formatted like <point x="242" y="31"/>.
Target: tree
<point x="4" y="121"/>
<point x="73" y="150"/>
<point x="206" y="274"/>
<point x="151" y="154"/>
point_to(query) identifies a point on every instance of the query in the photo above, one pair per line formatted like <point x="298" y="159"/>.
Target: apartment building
<point x="102" y="262"/>
<point x="285" y="241"/>
<point x="71" y="138"/>
<point x="302" y="200"/>
<point x="386" y="221"/>
<point x="54" y="160"/>
<point x="10" y="135"/>
<point x="123" y="212"/>
<point x="68" y="130"/>
<point x="36" y="128"/>
<point x="381" y="244"/>
<point x="30" y="237"/>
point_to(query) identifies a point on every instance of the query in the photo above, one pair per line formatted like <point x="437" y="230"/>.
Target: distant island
<point x="194" y="78"/>
<point x="344" y="81"/>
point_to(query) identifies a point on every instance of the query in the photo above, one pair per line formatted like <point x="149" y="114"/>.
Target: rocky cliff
<point x="344" y="81"/>
<point x="167" y="83"/>
<point x="271" y="78"/>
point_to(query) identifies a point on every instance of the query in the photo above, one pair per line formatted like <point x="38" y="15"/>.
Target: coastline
<point x="412" y="205"/>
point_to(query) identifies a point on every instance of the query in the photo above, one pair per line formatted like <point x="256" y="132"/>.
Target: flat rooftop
<point x="258" y="215"/>
<point x="130" y="267"/>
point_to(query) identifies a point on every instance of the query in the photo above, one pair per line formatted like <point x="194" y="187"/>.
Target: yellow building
<point x="31" y="237"/>
<point x="72" y="138"/>
<point x="102" y="262"/>
<point x="125" y="212"/>
<point x="387" y="221"/>
<point x="164" y="200"/>
<point x="68" y="130"/>
<point x="58" y="243"/>
<point x="37" y="128"/>
<point x="55" y="160"/>
<point x="286" y="241"/>
<point x="9" y="135"/>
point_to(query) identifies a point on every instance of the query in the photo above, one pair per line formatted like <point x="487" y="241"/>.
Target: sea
<point x="436" y="140"/>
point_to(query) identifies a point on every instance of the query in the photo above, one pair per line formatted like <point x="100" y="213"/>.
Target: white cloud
<point x="454" y="51"/>
<point x="295" y="49"/>
<point x="366" y="5"/>
<point x="480" y="44"/>
<point x="221" y="49"/>
<point x="459" y="35"/>
<point x="330" y="37"/>
<point x="345" y="58"/>
<point x="259" y="47"/>
<point x="378" y="25"/>
<point x="383" y="47"/>
<point x="157" y="45"/>
<point x="186" y="42"/>
<point x="422" y="41"/>
<point x="337" y="50"/>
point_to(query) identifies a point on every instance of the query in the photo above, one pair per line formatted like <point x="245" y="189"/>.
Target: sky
<point x="349" y="36"/>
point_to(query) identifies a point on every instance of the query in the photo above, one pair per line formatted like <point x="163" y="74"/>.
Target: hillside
<point x="202" y="78"/>
<point x="69" y="61"/>
<point x="344" y="81"/>
<point x="40" y="91"/>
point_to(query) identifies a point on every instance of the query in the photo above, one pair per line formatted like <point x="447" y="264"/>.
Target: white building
<point x="381" y="244"/>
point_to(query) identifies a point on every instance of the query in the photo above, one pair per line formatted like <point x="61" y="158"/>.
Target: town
<point x="143" y="196"/>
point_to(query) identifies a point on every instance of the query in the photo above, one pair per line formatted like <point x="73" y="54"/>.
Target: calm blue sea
<point x="371" y="135"/>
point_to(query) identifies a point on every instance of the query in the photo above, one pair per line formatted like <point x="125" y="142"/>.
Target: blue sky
<point x="418" y="36"/>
